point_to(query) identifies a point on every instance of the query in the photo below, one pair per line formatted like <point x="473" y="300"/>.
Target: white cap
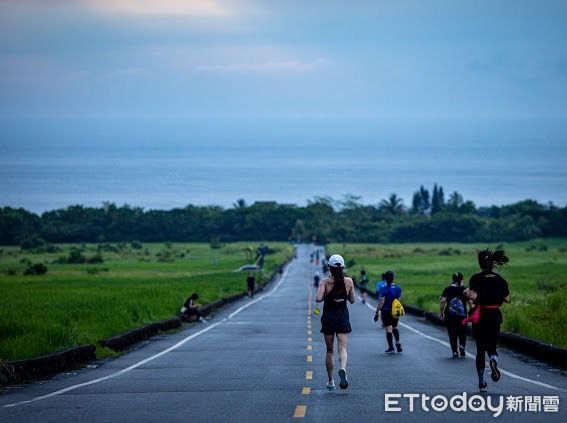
<point x="336" y="261"/>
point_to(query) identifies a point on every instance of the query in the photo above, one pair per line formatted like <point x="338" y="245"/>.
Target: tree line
<point x="431" y="217"/>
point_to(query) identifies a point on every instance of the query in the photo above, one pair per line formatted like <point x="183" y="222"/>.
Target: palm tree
<point x="393" y="205"/>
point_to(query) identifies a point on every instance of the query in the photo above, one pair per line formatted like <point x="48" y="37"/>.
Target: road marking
<point x="153" y="357"/>
<point x="309" y="326"/>
<point x="469" y="355"/>
<point x="309" y="332"/>
<point x="309" y="348"/>
<point x="309" y="358"/>
<point x="309" y="375"/>
<point x="309" y="339"/>
<point x="300" y="411"/>
<point x="306" y="390"/>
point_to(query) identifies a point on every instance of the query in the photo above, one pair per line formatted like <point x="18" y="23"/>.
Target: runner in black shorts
<point x="335" y="291"/>
<point x="488" y="290"/>
<point x="386" y="296"/>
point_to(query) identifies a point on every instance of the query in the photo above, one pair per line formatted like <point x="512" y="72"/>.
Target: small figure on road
<point x="363" y="285"/>
<point x="191" y="308"/>
<point x="453" y="309"/>
<point x="335" y="291"/>
<point x="251" y="284"/>
<point x="316" y="280"/>
<point x="387" y="295"/>
<point x="488" y="290"/>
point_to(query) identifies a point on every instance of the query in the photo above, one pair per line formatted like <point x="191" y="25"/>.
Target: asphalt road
<point x="262" y="360"/>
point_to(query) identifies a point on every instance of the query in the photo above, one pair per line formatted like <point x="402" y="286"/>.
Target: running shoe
<point x="390" y="351"/>
<point x="331" y="385"/>
<point x="462" y="352"/>
<point x="344" y="382"/>
<point x="495" y="375"/>
<point x="455" y="354"/>
<point x="399" y="347"/>
<point x="483" y="387"/>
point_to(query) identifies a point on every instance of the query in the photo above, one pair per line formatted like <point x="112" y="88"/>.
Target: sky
<point x="390" y="94"/>
<point x="330" y="59"/>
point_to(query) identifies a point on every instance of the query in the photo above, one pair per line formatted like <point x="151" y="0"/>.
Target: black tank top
<point x="335" y="301"/>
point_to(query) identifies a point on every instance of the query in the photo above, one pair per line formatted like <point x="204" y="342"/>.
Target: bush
<point x="97" y="258"/>
<point x="36" y="269"/>
<point x="32" y="242"/>
<point x="216" y="243"/>
<point x="136" y="245"/>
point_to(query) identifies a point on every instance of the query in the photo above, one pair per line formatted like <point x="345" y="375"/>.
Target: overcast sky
<point x="283" y="58"/>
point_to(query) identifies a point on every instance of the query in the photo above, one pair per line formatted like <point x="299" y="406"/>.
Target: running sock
<point x="494" y="357"/>
<point x="390" y="341"/>
<point x="396" y="335"/>
<point x="480" y="377"/>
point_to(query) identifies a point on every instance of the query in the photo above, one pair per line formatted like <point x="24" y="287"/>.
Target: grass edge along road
<point x="74" y="304"/>
<point x="537" y="276"/>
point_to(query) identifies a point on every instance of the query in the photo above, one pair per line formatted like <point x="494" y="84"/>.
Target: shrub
<point x="32" y="242"/>
<point x="216" y="243"/>
<point x="136" y="245"/>
<point x="36" y="269"/>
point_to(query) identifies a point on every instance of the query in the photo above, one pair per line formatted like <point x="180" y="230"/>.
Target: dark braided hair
<point x="487" y="259"/>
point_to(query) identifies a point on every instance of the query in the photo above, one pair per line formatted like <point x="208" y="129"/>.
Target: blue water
<point x="165" y="163"/>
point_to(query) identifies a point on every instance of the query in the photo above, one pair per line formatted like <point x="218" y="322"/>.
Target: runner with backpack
<point x="453" y="309"/>
<point x="390" y="310"/>
<point x="488" y="290"/>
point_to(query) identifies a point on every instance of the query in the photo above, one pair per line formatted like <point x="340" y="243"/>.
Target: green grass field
<point x="75" y="304"/>
<point x="536" y="274"/>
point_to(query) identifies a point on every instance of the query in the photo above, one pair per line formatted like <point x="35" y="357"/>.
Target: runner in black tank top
<point x="488" y="290"/>
<point x="336" y="291"/>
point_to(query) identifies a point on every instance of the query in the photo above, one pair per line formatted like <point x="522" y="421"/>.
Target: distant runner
<point x="453" y="309"/>
<point x="251" y="284"/>
<point x="363" y="284"/>
<point x="488" y="290"/>
<point x="380" y="284"/>
<point x="335" y="291"/>
<point x="316" y="280"/>
<point x="387" y="295"/>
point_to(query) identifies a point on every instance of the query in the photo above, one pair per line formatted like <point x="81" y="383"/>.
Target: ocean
<point x="163" y="163"/>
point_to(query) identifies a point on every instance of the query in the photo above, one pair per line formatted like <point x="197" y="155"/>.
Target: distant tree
<point x="240" y="204"/>
<point x="393" y="205"/>
<point x="455" y="200"/>
<point x="420" y="202"/>
<point x="437" y="199"/>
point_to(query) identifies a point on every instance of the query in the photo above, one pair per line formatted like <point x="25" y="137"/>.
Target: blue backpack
<point x="456" y="307"/>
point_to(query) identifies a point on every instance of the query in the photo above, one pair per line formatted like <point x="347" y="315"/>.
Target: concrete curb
<point x="33" y="368"/>
<point x="522" y="344"/>
<point x="13" y="372"/>
<point x="122" y="341"/>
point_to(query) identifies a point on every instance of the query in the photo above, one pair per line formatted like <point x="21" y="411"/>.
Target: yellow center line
<point x="306" y="390"/>
<point x="309" y="347"/>
<point x="309" y="358"/>
<point x="309" y="375"/>
<point x="300" y="411"/>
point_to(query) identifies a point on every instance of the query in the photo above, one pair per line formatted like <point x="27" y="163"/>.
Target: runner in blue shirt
<point x="380" y="284"/>
<point x="386" y="296"/>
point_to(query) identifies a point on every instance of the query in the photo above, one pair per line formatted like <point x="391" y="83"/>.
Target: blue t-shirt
<point x="379" y="285"/>
<point x="390" y="293"/>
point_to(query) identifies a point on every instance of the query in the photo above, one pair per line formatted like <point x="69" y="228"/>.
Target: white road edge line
<point x="446" y="344"/>
<point x="153" y="357"/>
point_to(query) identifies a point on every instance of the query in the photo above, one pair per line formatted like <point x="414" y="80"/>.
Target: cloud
<point x="270" y="66"/>
<point x="198" y="8"/>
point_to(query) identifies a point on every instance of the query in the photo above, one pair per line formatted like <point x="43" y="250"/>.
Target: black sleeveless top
<point x="335" y="318"/>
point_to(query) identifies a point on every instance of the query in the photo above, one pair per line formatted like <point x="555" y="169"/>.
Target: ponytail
<point x="488" y="259"/>
<point x="338" y="278"/>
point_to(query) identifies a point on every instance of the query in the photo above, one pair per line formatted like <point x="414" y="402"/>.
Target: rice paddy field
<point x="536" y="274"/>
<point x="94" y="291"/>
